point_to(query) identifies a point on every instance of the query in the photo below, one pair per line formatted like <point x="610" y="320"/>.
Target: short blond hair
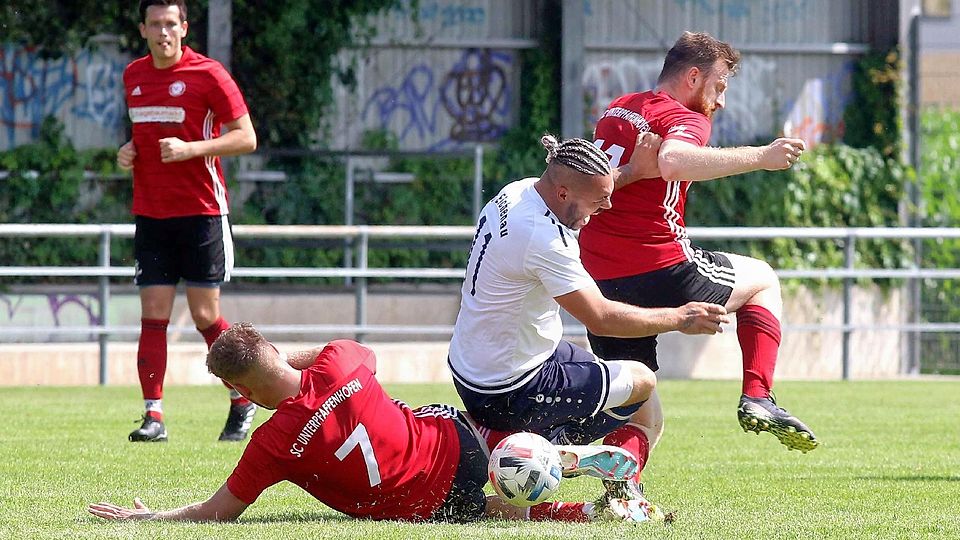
<point x="239" y="349"/>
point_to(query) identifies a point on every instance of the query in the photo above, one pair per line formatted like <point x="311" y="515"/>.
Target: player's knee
<point x="644" y="383"/>
<point x="204" y="317"/>
<point x="767" y="276"/>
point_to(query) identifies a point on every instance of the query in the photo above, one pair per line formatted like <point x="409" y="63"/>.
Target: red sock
<point x="152" y="357"/>
<point x="493" y="437"/>
<point x="632" y="439"/>
<point x="559" y="511"/>
<point x="759" y="334"/>
<point x="212" y="332"/>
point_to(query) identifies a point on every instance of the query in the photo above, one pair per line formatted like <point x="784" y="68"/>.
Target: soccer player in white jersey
<point x="510" y="365"/>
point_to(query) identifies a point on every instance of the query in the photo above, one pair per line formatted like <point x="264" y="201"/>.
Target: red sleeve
<point x="256" y="471"/>
<point x="346" y="355"/>
<point x="225" y="98"/>
<point x="684" y="125"/>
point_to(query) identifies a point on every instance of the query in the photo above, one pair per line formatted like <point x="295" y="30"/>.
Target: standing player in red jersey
<point x="639" y="251"/>
<point x="177" y="101"/>
<point x="341" y="438"/>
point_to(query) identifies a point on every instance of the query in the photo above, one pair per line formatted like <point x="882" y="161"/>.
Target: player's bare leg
<point x="204" y="302"/>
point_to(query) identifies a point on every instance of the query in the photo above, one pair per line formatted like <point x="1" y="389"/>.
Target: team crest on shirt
<point x="177" y="88"/>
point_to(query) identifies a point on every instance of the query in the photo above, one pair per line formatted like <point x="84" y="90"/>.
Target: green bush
<point x="940" y="188"/>
<point x="832" y="186"/>
<point x="46" y="184"/>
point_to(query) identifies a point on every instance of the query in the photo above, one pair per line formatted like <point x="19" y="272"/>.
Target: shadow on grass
<point x="322" y="517"/>
<point x="297" y="517"/>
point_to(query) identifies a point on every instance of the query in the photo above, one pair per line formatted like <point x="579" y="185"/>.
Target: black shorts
<point x="709" y="278"/>
<point x="197" y="249"/>
<point x="466" y="500"/>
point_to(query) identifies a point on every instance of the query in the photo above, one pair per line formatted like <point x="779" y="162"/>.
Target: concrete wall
<point x="804" y="354"/>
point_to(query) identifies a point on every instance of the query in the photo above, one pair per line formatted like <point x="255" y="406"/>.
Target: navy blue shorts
<point x="197" y="249"/>
<point x="563" y="402"/>
<point x="710" y="278"/>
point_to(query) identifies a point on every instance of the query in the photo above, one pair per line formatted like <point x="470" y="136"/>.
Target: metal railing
<point x="361" y="235"/>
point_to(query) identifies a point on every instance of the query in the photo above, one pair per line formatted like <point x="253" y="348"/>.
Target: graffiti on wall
<point x="50" y="310"/>
<point x="814" y="114"/>
<point x="756" y="11"/>
<point x="475" y="94"/>
<point x="86" y="87"/>
<point x="470" y="101"/>
<point x="446" y="14"/>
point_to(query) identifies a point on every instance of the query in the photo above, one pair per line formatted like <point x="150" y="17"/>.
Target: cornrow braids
<point x="580" y="155"/>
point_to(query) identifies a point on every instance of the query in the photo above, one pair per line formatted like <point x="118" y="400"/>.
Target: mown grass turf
<point x="888" y="467"/>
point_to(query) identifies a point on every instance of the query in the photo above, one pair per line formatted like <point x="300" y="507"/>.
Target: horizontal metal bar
<point x="395" y="231"/>
<point x="452" y="273"/>
<point x="444" y="330"/>
<point x="836" y="48"/>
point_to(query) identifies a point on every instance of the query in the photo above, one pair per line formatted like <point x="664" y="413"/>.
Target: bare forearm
<point x="623" y="176"/>
<point x="626" y="321"/>
<point x="232" y="143"/>
<point x="193" y="512"/>
<point x="697" y="164"/>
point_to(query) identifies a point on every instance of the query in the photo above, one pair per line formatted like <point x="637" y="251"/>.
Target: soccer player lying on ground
<point x="340" y="437"/>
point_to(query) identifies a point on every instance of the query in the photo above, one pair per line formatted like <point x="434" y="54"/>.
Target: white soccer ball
<point x="525" y="469"/>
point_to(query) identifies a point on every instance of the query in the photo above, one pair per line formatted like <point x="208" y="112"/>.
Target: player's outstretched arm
<point x="681" y="160"/>
<point x="222" y="506"/>
<point x="643" y="161"/>
<point x="605" y="317"/>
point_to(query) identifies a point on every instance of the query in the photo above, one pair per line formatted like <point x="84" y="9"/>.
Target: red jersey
<point x="644" y="231"/>
<point x="189" y="100"/>
<point x="344" y="441"/>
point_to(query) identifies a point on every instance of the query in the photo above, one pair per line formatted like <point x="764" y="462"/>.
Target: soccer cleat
<point x="151" y="430"/>
<point x="631" y="511"/>
<point x="599" y="461"/>
<point x="624" y="501"/>
<point x="762" y="414"/>
<point x="238" y="422"/>
<point x="626" y="489"/>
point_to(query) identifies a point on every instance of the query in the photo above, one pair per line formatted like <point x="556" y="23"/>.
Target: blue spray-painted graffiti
<point x="474" y="95"/>
<point x="449" y="15"/>
<point x="409" y="101"/>
<point x="86" y="86"/>
<point x="32" y="88"/>
<point x="88" y="305"/>
<point x="102" y="90"/>
<point x="759" y="10"/>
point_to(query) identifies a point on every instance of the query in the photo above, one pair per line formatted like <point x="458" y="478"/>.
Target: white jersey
<point x="509" y="323"/>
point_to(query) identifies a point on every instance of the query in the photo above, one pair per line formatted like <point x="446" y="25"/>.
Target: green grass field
<point x="888" y="467"/>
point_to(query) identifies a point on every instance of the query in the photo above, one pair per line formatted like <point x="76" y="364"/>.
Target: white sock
<point x="155" y="405"/>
